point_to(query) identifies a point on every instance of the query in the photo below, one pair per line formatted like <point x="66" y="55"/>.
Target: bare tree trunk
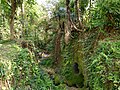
<point x="13" y="8"/>
<point x="58" y="42"/>
<point x="77" y="6"/>
<point x="22" y="15"/>
<point x="12" y="29"/>
<point x="58" y="48"/>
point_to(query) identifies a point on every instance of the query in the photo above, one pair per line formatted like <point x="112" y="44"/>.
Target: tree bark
<point x="13" y="9"/>
<point x="22" y="21"/>
<point x="77" y="6"/>
<point x="58" y="48"/>
<point x="12" y="29"/>
<point x="70" y="22"/>
<point x="58" y="42"/>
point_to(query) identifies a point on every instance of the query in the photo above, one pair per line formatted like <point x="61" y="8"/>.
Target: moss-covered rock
<point x="75" y="80"/>
<point x="57" y="80"/>
<point x="73" y="65"/>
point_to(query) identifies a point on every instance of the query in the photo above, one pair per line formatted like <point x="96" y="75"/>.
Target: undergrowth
<point x="104" y="66"/>
<point x="22" y="72"/>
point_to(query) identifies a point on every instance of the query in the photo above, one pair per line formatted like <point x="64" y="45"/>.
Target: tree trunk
<point x="77" y="6"/>
<point x="58" y="42"/>
<point x="22" y="15"/>
<point x="58" y="48"/>
<point x="13" y="8"/>
<point x="72" y="25"/>
<point x="12" y="29"/>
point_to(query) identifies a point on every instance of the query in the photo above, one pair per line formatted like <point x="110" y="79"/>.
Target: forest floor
<point x="8" y="52"/>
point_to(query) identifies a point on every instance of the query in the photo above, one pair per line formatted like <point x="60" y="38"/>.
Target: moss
<point x="56" y="80"/>
<point x="71" y="54"/>
<point x="79" y="58"/>
<point x="76" y="80"/>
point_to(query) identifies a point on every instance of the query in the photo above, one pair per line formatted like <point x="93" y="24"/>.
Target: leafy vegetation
<point x="23" y="72"/>
<point x="104" y="66"/>
<point x="60" y="45"/>
<point x="28" y="74"/>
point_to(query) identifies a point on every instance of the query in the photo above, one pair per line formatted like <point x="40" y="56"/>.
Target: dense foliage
<point x="105" y="13"/>
<point x="60" y="44"/>
<point x="104" y="66"/>
<point x="24" y="73"/>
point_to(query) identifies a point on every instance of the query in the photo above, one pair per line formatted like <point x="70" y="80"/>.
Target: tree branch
<point x="70" y="22"/>
<point x="77" y="7"/>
